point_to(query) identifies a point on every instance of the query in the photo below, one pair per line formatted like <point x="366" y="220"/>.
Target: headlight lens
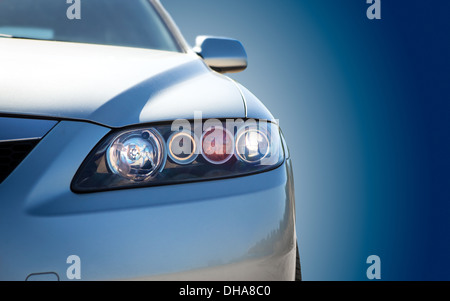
<point x="252" y="145"/>
<point x="182" y="147"/>
<point x="136" y="155"/>
<point x="217" y="145"/>
<point x="168" y="154"/>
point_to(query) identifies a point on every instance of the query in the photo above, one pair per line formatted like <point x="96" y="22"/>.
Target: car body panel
<point x="254" y="108"/>
<point x="24" y="128"/>
<point x="166" y="232"/>
<point x="89" y="82"/>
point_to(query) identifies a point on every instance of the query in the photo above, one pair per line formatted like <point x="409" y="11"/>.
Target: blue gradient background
<point x="364" y="105"/>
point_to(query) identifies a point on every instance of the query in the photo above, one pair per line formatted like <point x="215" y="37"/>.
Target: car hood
<point x="113" y="86"/>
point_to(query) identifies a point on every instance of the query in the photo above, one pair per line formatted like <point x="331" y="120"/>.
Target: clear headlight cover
<point x="180" y="152"/>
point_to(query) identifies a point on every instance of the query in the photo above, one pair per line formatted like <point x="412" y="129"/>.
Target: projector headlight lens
<point x="136" y="155"/>
<point x="252" y="145"/>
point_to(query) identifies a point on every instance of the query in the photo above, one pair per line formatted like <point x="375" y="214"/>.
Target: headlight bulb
<point x="182" y="148"/>
<point x="136" y="155"/>
<point x="252" y="145"/>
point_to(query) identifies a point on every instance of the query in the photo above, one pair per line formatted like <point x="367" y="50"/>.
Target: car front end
<point x="129" y="163"/>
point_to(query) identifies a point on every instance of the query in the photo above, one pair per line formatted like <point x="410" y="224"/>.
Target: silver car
<point x="127" y="154"/>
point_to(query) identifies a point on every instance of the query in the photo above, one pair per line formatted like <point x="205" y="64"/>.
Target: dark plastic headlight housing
<point x="180" y="152"/>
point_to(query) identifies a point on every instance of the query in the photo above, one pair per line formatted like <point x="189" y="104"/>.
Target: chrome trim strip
<point x="26" y="139"/>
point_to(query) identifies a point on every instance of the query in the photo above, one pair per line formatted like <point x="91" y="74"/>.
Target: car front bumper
<point x="231" y="229"/>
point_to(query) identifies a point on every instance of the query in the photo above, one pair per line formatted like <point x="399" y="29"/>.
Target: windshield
<point x="133" y="23"/>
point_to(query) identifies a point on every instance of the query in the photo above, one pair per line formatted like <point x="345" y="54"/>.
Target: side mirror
<point x="221" y="54"/>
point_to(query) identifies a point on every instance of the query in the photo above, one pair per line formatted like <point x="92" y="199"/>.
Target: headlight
<point x="179" y="153"/>
<point x="217" y="145"/>
<point x="136" y="155"/>
<point x="252" y="145"/>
